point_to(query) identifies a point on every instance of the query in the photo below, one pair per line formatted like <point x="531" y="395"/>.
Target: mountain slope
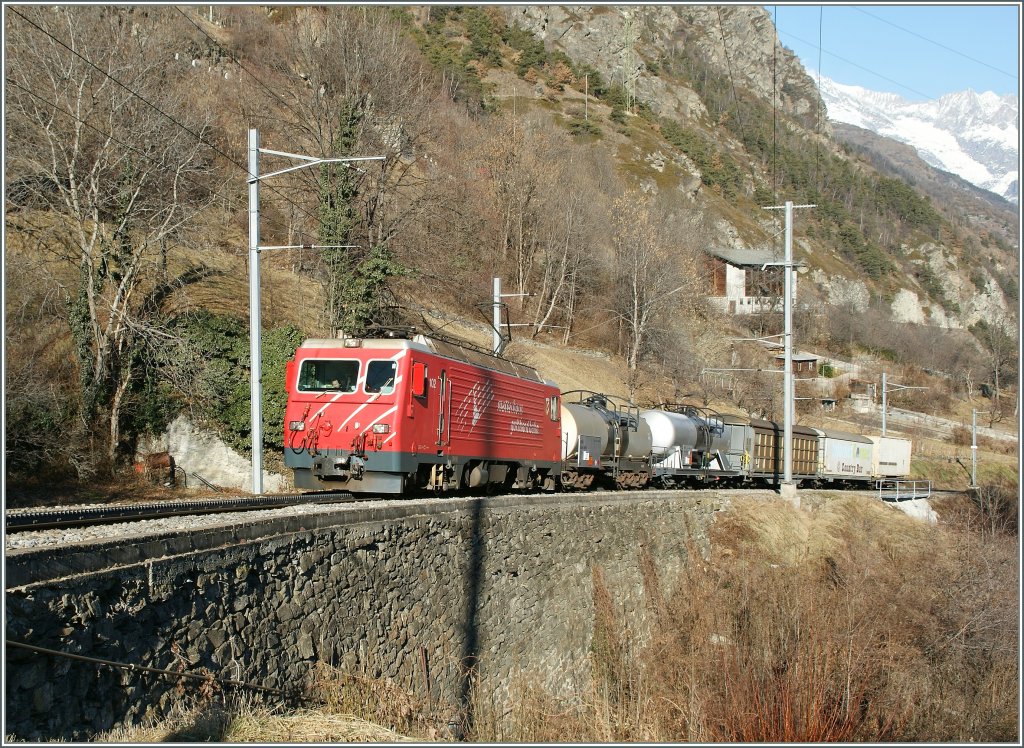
<point x="977" y="207"/>
<point x="972" y="135"/>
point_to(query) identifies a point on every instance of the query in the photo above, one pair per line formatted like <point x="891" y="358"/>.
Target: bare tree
<point x="570" y="229"/>
<point x="516" y="157"/>
<point x="656" y="271"/>
<point x="352" y="85"/>
<point x="998" y="338"/>
<point x="101" y="133"/>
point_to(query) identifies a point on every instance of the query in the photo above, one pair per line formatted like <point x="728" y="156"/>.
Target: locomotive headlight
<point x="297" y="425"/>
<point x="381" y="428"/>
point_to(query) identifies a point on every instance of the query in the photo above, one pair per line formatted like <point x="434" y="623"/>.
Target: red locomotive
<point x="389" y="415"/>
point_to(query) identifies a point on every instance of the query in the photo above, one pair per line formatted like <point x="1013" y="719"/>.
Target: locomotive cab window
<point x="380" y="377"/>
<point x="328" y="376"/>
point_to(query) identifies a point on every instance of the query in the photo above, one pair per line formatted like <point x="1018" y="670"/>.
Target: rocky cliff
<point x="632" y="43"/>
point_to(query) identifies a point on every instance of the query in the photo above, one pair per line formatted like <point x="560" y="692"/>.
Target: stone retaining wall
<point x="404" y="593"/>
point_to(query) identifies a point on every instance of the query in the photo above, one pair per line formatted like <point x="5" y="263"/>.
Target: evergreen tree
<point x="357" y="277"/>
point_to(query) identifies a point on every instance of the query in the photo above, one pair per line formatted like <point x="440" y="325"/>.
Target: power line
<point x="130" y="147"/>
<point x="289" y="696"/>
<point x="817" y="112"/>
<point x="775" y="116"/>
<point x="297" y="117"/>
<point x="851" y="62"/>
<point x="728" y="65"/>
<point x="137" y="95"/>
<point x="238" y="62"/>
<point x="732" y="81"/>
<point x="937" y="44"/>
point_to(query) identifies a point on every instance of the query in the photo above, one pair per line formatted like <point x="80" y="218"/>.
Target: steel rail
<point x="50" y="518"/>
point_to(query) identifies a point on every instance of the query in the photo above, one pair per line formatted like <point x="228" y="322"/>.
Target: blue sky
<point x="916" y="50"/>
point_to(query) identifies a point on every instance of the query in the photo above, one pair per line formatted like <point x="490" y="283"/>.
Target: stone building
<point x="741" y="284"/>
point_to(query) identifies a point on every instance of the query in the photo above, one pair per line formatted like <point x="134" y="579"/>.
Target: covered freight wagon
<point x="844" y="457"/>
<point x="891" y="457"/>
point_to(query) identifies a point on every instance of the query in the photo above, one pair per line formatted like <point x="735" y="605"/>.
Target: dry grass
<point x="247" y="721"/>
<point x="309" y="727"/>
<point x="378" y="701"/>
<point x="843" y="621"/>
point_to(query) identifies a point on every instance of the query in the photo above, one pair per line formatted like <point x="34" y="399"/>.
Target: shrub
<point x="222" y="394"/>
<point x="848" y="623"/>
<point x="583" y="127"/>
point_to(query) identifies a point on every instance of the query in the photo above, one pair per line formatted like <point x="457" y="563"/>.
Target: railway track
<point x="49" y="518"/>
<point x="20" y="520"/>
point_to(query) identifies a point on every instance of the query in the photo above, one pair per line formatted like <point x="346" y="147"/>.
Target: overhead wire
<point x="157" y="109"/>
<point x="224" y="683"/>
<point x="817" y="118"/>
<point x="193" y="180"/>
<point x="902" y="85"/>
<point x="732" y="81"/>
<point x="238" y="62"/>
<point x="297" y="117"/>
<point x="775" y="116"/>
<point x="728" y="66"/>
<point x="937" y="44"/>
<point x="861" y="67"/>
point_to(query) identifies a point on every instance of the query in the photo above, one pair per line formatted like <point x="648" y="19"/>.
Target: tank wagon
<point x="691" y="445"/>
<point x="403" y="412"/>
<point x="603" y="439"/>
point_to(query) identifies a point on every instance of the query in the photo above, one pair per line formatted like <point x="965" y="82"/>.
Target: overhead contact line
<point x="199" y="138"/>
<point x="143" y="154"/>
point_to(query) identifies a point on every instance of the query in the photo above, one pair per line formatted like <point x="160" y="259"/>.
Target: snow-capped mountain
<point x="975" y="136"/>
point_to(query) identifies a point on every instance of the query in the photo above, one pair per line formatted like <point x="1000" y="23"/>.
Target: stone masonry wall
<point x="380" y="591"/>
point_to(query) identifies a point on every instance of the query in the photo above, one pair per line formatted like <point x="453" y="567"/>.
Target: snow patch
<point x="918" y="508"/>
<point x="975" y="136"/>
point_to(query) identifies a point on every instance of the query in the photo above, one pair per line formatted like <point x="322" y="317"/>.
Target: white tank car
<point x="683" y="431"/>
<point x="589" y="419"/>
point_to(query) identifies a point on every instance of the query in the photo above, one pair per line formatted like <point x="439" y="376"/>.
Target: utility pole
<point x="255" y="353"/>
<point x="787" y="442"/>
<point x="974" y="447"/>
<point x="885" y="390"/>
<point x="498" y="341"/>
<point x="884" y="403"/>
<point x="788" y="487"/>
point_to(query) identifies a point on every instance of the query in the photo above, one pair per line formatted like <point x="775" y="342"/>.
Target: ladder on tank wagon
<point x="891" y="489"/>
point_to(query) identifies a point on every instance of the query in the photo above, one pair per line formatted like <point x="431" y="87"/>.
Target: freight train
<point x="401" y="412"/>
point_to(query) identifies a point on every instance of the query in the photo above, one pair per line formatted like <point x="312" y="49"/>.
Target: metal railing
<point x="903" y="490"/>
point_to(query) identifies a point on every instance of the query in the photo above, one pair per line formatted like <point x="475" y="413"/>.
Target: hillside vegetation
<point x="505" y="154"/>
